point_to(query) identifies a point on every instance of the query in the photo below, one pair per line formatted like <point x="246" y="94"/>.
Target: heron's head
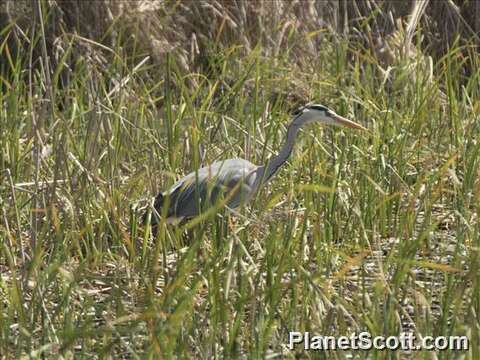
<point x="321" y="114"/>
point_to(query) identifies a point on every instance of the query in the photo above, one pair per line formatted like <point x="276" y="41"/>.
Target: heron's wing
<point x="238" y="189"/>
<point x="166" y="199"/>
<point x="230" y="181"/>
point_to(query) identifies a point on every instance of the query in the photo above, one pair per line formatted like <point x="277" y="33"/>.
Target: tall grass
<point x="373" y="232"/>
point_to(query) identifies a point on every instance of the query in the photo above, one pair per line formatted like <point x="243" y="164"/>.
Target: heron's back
<point x="229" y="181"/>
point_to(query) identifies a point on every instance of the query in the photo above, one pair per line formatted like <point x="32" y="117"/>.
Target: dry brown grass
<point x="194" y="31"/>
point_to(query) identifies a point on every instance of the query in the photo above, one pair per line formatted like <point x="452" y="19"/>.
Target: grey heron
<point x="233" y="182"/>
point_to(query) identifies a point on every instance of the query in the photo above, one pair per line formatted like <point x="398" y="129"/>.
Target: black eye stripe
<point x="318" y="107"/>
<point x="311" y="107"/>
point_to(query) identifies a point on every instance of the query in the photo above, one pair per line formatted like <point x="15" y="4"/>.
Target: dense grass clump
<point x="374" y="232"/>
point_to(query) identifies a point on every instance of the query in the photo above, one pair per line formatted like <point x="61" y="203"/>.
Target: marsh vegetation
<point x="102" y="107"/>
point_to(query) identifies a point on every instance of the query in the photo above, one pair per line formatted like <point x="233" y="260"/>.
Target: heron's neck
<point x="278" y="160"/>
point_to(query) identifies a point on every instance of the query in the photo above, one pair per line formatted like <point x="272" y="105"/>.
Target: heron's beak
<point x="347" y="123"/>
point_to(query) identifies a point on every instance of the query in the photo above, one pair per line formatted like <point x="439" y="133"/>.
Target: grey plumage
<point x="234" y="182"/>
